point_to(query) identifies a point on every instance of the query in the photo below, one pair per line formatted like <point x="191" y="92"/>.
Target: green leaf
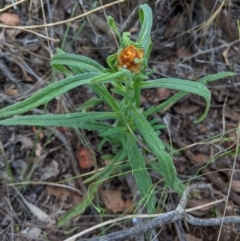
<point x="168" y="170"/>
<point x="114" y="131"/>
<point x="180" y="84"/>
<point x="140" y="172"/>
<point x="107" y="98"/>
<point x="79" y="61"/>
<point x="46" y="94"/>
<point x="110" y="77"/>
<point x="90" y="104"/>
<point x="144" y="37"/>
<point x="214" y="77"/>
<point x="181" y="94"/>
<point x="63" y="70"/>
<point x="67" y="120"/>
<point x="113" y="26"/>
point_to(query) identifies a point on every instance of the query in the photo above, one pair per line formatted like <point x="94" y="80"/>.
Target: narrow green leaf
<point x="168" y="170"/>
<point x="107" y="98"/>
<point x="114" y="131"/>
<point x="90" y="104"/>
<point x="181" y="94"/>
<point x="63" y="70"/>
<point x="79" y="120"/>
<point x="113" y="26"/>
<point x="110" y="77"/>
<point x="214" y="77"/>
<point x="48" y="93"/>
<point x="145" y="16"/>
<point x="180" y="84"/>
<point x="142" y="177"/>
<point x="79" y="61"/>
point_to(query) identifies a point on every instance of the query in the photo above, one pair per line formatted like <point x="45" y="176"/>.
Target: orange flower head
<point x="126" y="58"/>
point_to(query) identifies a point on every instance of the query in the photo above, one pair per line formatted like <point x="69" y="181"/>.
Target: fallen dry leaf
<point x="163" y="93"/>
<point x="38" y="150"/>
<point x="234" y="116"/>
<point x="63" y="194"/>
<point x="182" y="52"/>
<point x="11" y="90"/>
<point x="200" y="158"/>
<point x="12" y="33"/>
<point x="85" y="158"/>
<point x="27" y="143"/>
<point x="38" y="212"/>
<point x="114" y="202"/>
<point x="192" y="203"/>
<point x="186" y="109"/>
<point x="28" y="79"/>
<point x="10" y="18"/>
<point x="235" y="185"/>
<point x="50" y="170"/>
<point x="39" y="132"/>
<point x="225" y="55"/>
<point x="33" y="232"/>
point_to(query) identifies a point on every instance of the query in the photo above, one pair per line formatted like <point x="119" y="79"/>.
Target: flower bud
<point x="130" y="58"/>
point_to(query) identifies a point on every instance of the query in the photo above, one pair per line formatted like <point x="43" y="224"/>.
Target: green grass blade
<point x="184" y="85"/>
<point x="140" y="172"/>
<point x="48" y="93"/>
<point x="168" y="170"/>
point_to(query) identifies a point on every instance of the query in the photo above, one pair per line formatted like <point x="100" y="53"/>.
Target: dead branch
<point x="178" y="214"/>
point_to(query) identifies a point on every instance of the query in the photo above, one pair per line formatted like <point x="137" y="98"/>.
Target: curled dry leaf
<point x="10" y="18"/>
<point x="85" y="158"/>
